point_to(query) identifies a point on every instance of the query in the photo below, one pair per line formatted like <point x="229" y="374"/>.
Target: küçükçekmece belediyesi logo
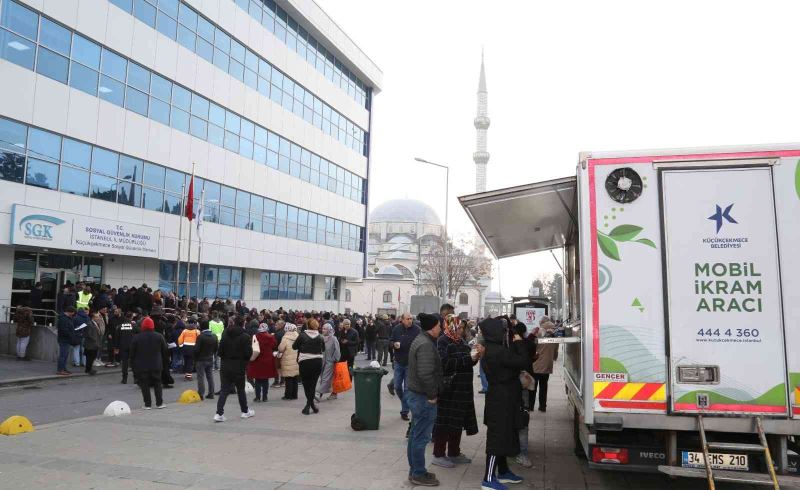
<point x="39" y="226"/>
<point x="721" y="217"/>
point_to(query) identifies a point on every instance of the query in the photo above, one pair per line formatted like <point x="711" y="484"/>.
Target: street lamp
<point x="446" y="209"/>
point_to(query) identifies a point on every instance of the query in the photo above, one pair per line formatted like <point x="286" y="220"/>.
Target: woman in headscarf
<point x="290" y="370"/>
<point x="456" y="405"/>
<point x="332" y="354"/>
<point x="263" y="368"/>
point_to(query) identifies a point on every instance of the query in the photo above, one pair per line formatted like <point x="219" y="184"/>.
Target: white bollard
<point x="117" y="408"/>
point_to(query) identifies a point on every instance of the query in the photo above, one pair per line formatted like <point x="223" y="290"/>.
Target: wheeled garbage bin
<point x="368" y="396"/>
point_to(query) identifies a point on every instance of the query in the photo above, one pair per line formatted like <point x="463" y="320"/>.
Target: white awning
<point x="524" y="219"/>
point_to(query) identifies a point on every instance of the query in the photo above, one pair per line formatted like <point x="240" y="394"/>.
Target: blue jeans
<point x="400" y="381"/>
<point x="423" y="416"/>
<point x="63" y="355"/>
<point x="484" y="381"/>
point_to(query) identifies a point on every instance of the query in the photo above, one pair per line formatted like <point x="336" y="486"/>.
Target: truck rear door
<point x="722" y="286"/>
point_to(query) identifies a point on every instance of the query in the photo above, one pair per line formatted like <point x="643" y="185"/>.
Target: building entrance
<point x="53" y="272"/>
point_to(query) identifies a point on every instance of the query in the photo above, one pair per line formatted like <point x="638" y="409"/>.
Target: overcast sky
<point x="564" y="77"/>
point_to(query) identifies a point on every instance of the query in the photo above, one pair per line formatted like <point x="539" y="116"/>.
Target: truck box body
<point x="682" y="279"/>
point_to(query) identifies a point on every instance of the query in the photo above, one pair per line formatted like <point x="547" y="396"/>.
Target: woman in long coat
<point x="456" y="405"/>
<point x="331" y="357"/>
<point x="503" y="414"/>
<point x="263" y="368"/>
<point x="290" y="369"/>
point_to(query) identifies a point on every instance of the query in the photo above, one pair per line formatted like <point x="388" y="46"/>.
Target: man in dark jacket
<point x="503" y="414"/>
<point x="36" y="296"/>
<point x="124" y="332"/>
<point x="383" y="330"/>
<point x="348" y="340"/>
<point x="148" y="351"/>
<point x="370" y="339"/>
<point x="144" y="299"/>
<point x="204" y="351"/>
<point x="66" y="337"/>
<point x="235" y="350"/>
<point x="424" y="385"/>
<point x="403" y="335"/>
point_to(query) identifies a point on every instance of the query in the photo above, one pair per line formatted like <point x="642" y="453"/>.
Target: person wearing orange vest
<point x="187" y="341"/>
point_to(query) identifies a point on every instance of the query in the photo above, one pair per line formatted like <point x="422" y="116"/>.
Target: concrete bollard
<point x="116" y="409"/>
<point x="16" y="424"/>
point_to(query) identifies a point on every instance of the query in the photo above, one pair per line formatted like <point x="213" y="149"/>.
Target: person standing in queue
<point x="424" y="387"/>
<point x="311" y="348"/>
<point x="147" y="353"/>
<point x="234" y="350"/>
<point x="125" y="332"/>
<point x="403" y="335"/>
<point x="348" y="340"/>
<point x="503" y="414"/>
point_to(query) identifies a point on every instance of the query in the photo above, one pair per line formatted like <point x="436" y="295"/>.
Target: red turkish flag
<point x="190" y="201"/>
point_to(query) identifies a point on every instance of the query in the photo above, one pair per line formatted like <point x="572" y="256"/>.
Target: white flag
<point x="200" y="217"/>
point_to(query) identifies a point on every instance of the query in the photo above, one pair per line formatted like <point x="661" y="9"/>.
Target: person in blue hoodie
<point x="66" y="338"/>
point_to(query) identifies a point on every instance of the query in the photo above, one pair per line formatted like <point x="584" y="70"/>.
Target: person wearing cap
<point x="424" y="385"/>
<point x="546" y="354"/>
<point x="147" y="353"/>
<point x="187" y="340"/>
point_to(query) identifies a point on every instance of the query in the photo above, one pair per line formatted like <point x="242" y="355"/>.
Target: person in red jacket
<point x="263" y="367"/>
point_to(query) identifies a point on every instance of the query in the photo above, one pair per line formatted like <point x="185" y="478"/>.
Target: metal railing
<point x="41" y="316"/>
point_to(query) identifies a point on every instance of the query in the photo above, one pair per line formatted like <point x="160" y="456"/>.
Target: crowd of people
<point x="433" y="356"/>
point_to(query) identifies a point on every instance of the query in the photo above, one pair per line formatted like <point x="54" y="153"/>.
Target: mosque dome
<point x="389" y="270"/>
<point x="404" y="211"/>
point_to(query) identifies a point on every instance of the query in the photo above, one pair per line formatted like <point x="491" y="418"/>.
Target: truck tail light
<point x="610" y="455"/>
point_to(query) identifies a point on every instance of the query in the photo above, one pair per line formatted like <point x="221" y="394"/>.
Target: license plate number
<point x="719" y="461"/>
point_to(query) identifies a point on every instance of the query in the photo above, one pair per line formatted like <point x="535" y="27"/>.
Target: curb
<point x="49" y="377"/>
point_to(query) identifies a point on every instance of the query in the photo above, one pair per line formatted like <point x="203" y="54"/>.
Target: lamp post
<point x="446" y="209"/>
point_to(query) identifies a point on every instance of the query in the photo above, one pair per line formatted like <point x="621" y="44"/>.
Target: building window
<point x="387" y="296"/>
<point x="331" y="288"/>
<point x="348" y="296"/>
<point x="213" y="282"/>
<point x="285" y="285"/>
<point x="463" y="299"/>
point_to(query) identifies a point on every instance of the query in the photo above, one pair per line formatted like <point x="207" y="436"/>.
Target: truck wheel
<point x="578" y="447"/>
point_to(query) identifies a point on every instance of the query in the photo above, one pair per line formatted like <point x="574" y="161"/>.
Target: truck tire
<point x="578" y="447"/>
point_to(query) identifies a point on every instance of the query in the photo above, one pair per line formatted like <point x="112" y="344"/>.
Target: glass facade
<point x="60" y="163"/>
<point x="214" y="281"/>
<point x="181" y="23"/>
<point x="285" y="28"/>
<point x="331" y="288"/>
<point x="34" y="42"/>
<point x="286" y="285"/>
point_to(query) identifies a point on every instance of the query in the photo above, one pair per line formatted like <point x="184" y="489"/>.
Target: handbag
<point x="341" y="378"/>
<point x="256" y="349"/>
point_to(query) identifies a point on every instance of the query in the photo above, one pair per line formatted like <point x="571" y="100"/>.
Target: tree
<point x="554" y="290"/>
<point x="458" y="265"/>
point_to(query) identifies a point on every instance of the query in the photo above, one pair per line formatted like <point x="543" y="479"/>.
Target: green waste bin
<point x="368" y="396"/>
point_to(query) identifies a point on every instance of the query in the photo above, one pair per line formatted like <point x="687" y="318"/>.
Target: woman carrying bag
<point x="329" y="360"/>
<point x="310" y="348"/>
<point x="262" y="368"/>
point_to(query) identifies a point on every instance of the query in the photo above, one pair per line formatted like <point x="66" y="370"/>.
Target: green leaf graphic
<point x="797" y="179"/>
<point x="625" y="233"/>
<point x="608" y="247"/>
<point x="646" y="241"/>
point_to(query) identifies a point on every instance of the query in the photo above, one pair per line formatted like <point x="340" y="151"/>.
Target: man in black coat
<point x="348" y="340"/>
<point x="234" y="350"/>
<point x="124" y="332"/>
<point x="144" y="299"/>
<point x="503" y="414"/>
<point x="148" y="351"/>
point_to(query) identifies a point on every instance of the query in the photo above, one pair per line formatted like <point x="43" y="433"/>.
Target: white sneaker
<point x="219" y="418"/>
<point x="161" y="406"/>
<point x="248" y="414"/>
<point x="147" y="408"/>
<point x="523" y="460"/>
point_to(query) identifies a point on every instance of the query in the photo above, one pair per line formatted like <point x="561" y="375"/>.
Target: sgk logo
<point x="39" y="226"/>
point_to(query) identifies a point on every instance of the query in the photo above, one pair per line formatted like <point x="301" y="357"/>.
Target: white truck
<point x="682" y="282"/>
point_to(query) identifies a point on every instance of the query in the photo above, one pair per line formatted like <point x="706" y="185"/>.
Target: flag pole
<point x="189" y="253"/>
<point x="180" y="239"/>
<point x="200" y="212"/>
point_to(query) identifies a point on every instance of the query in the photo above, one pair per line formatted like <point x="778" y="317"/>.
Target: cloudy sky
<point x="564" y="77"/>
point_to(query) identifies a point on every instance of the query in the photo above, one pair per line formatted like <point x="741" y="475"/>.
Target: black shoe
<point x="124" y="382"/>
<point x="306" y="410"/>
<point x="404" y="416"/>
<point x="542" y="409"/>
<point x="426" y="480"/>
<point x="314" y="408"/>
<point x="391" y="388"/>
<point x="209" y="397"/>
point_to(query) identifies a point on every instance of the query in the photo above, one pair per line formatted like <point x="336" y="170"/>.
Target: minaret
<point x="481" y="156"/>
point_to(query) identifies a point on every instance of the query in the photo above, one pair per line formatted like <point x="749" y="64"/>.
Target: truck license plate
<point x="719" y="461"/>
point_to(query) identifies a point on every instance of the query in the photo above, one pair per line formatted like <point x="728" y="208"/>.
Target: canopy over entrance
<point x="524" y="219"/>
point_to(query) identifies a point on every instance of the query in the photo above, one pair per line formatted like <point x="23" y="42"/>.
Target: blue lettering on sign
<point x="39" y="226"/>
